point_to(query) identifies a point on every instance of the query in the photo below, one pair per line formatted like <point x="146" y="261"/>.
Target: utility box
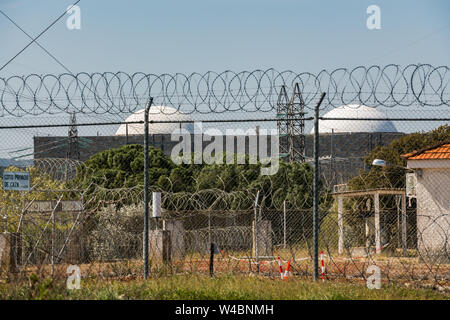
<point x="411" y="183"/>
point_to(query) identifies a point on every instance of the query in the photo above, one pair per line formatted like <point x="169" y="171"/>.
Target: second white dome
<point x="157" y="113"/>
<point x="355" y="111"/>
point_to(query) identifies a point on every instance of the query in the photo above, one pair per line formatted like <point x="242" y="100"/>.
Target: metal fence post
<point x="284" y="224"/>
<point x="209" y="227"/>
<point x="146" y="191"/>
<point x="256" y="232"/>
<point x="316" y="190"/>
<point x="53" y="243"/>
<point x="211" y="259"/>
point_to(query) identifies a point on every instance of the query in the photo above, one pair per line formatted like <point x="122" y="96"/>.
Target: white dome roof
<point x="157" y="113"/>
<point x="355" y="111"/>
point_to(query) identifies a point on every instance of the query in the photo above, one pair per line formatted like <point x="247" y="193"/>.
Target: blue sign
<point x="19" y="181"/>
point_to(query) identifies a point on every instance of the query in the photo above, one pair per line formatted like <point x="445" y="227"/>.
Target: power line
<point x="46" y="51"/>
<point x="38" y="36"/>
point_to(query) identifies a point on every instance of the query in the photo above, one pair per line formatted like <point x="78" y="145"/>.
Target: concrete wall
<point x="433" y="212"/>
<point x="46" y="147"/>
<point x="349" y="144"/>
<point x="346" y="152"/>
<point x="54" y="147"/>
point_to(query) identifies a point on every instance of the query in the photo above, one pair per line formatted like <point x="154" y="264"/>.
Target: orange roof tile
<point x="437" y="152"/>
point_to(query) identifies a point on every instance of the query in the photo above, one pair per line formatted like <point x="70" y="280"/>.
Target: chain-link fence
<point x="233" y="161"/>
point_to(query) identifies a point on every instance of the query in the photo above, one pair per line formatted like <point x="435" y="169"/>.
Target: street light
<point x="379" y="162"/>
<point x="384" y="163"/>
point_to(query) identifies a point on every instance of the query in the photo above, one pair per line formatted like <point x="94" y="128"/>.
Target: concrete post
<point x="340" y="225"/>
<point x="9" y="252"/>
<point x="262" y="238"/>
<point x="404" y="234"/>
<point x="367" y="227"/>
<point x="176" y="229"/>
<point x="160" y="246"/>
<point x="377" y="223"/>
<point x="284" y="224"/>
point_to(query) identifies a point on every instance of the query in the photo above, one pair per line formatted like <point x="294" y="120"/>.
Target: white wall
<point x="433" y="212"/>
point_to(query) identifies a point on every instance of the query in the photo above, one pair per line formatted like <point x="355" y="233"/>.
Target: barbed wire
<point x="212" y="92"/>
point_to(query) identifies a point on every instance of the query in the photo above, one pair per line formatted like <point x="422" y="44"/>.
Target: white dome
<point x="355" y="111"/>
<point x="157" y="113"/>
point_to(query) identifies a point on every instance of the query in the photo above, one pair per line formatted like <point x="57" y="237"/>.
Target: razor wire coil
<point x="228" y="91"/>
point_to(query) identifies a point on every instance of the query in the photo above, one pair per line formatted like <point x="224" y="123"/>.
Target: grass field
<point x="203" y="287"/>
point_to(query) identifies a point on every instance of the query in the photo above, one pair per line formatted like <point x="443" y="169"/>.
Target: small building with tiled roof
<point x="432" y="190"/>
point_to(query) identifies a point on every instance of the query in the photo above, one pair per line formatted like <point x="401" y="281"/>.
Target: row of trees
<point x="123" y="168"/>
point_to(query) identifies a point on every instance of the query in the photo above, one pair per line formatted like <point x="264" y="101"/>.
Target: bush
<point x="117" y="234"/>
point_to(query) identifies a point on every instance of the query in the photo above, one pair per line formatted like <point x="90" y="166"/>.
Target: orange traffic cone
<point x="287" y="272"/>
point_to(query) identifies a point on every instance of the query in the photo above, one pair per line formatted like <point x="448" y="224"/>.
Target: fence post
<point x="256" y="232"/>
<point x="209" y="227"/>
<point x="82" y="236"/>
<point x="340" y="221"/>
<point x="284" y="224"/>
<point x="211" y="259"/>
<point x="146" y="191"/>
<point x="404" y="235"/>
<point x="377" y="223"/>
<point x="316" y="190"/>
<point x="22" y="231"/>
<point x="53" y="243"/>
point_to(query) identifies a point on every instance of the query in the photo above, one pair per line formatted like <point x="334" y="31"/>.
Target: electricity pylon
<point x="291" y="124"/>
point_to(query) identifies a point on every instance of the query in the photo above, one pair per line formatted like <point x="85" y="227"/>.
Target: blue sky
<point x="196" y="36"/>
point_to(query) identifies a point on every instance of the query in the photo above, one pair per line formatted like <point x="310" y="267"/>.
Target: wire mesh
<point x="88" y="210"/>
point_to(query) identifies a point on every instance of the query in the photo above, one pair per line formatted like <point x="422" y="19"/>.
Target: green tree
<point x="123" y="168"/>
<point x="392" y="176"/>
<point x="292" y="183"/>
